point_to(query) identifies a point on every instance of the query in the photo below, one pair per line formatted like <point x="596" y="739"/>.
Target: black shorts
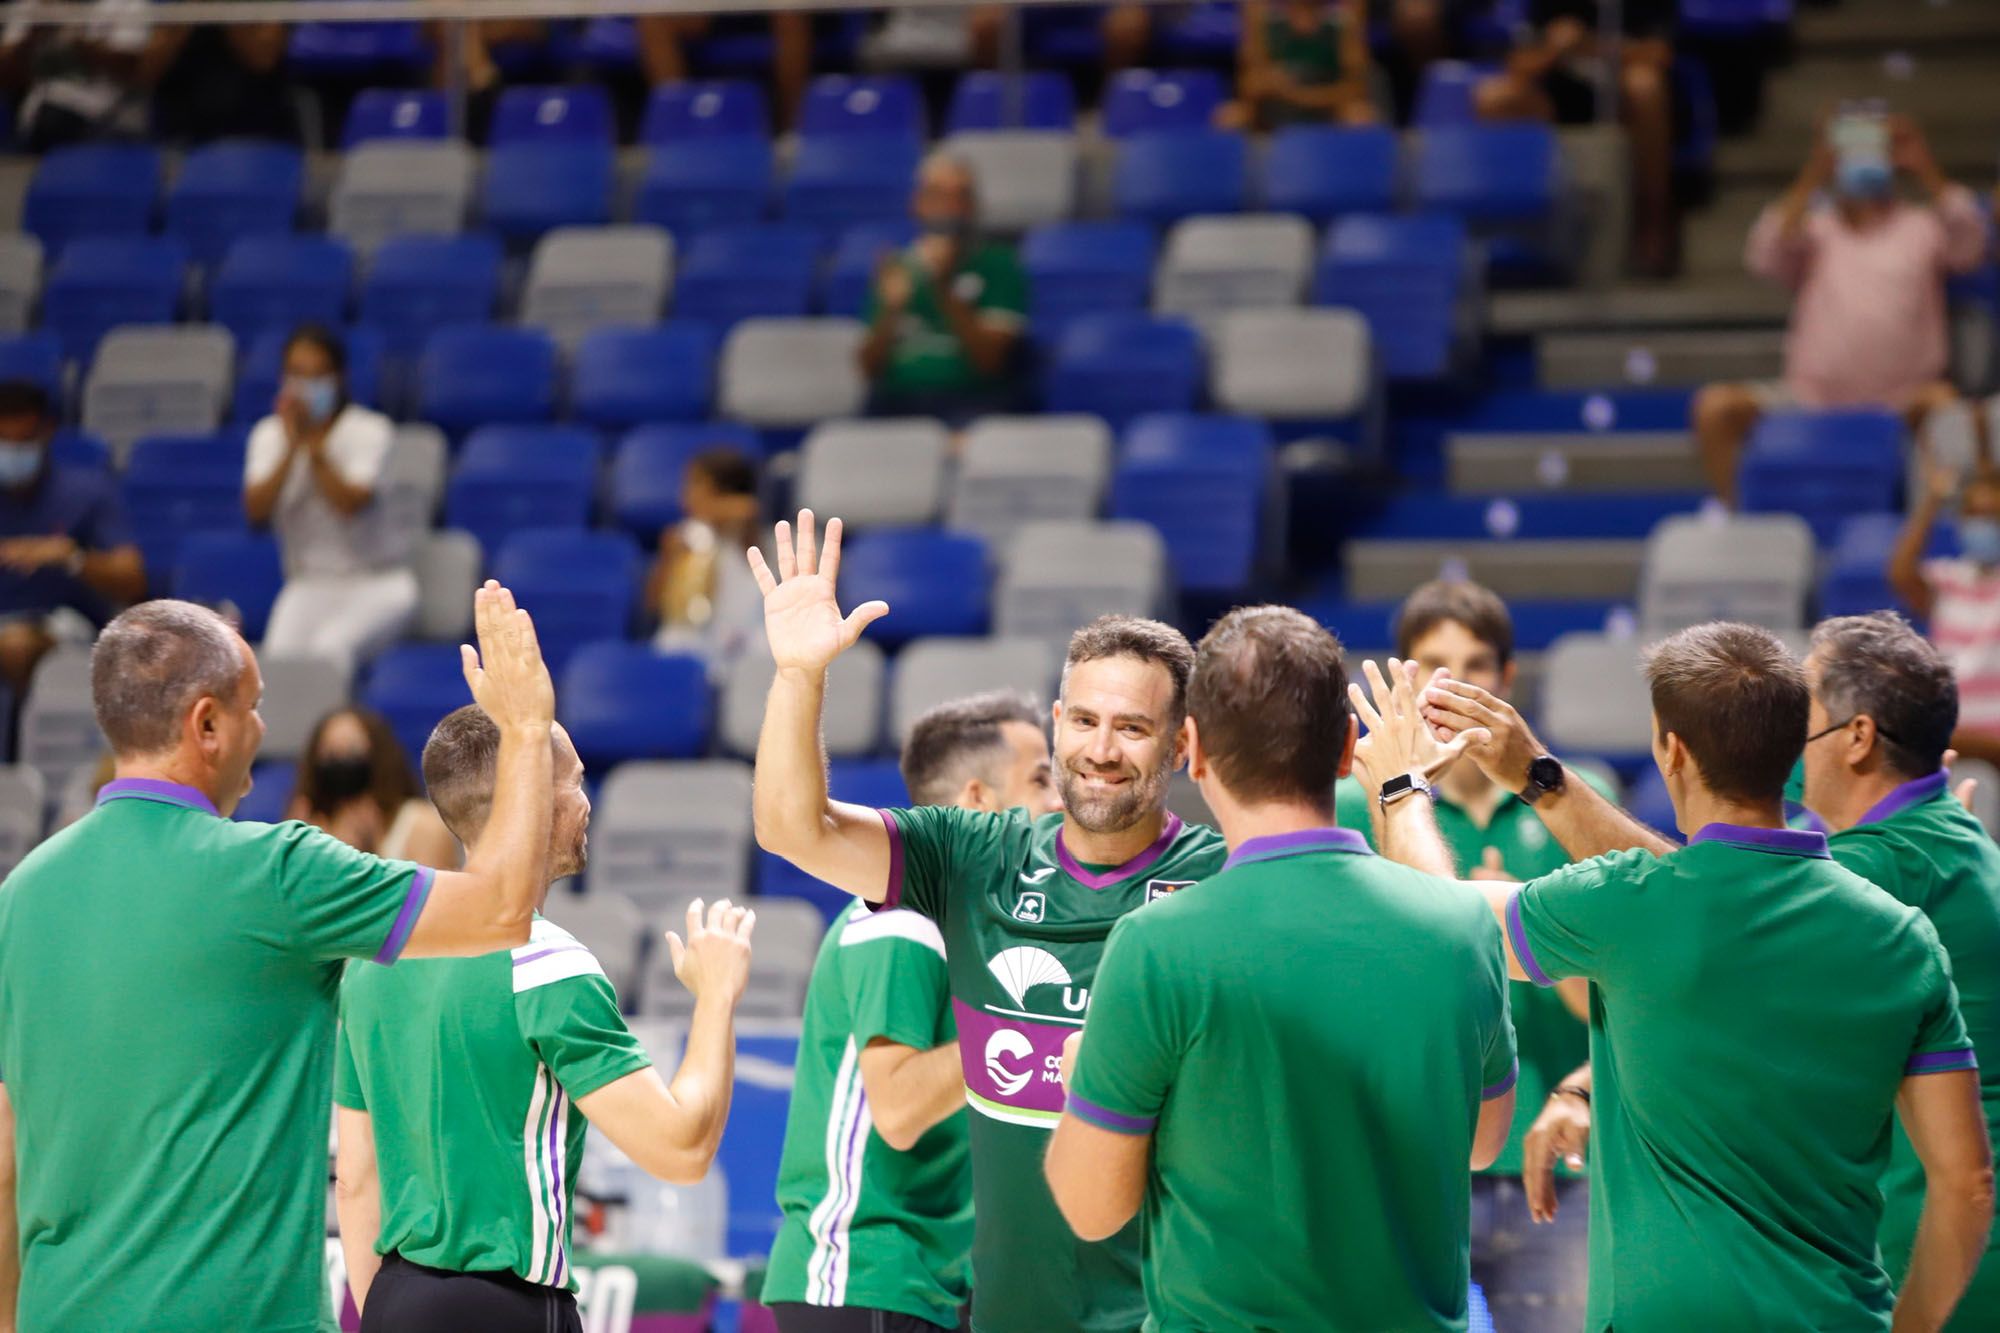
<point x="798" y="1317"/>
<point x="410" y="1298"/>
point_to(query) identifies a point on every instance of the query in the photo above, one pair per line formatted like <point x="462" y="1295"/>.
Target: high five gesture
<point x="801" y="614"/>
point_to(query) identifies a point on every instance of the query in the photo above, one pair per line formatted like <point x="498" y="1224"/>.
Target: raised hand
<point x="1562" y="1130"/>
<point x="1491" y="867"/>
<point x="508" y="679"/>
<point x="714" y="960"/>
<point x="1503" y="747"/>
<point x="801" y="615"/>
<point x="1399" y="739"/>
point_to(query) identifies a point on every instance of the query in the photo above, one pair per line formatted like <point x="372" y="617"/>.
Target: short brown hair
<point x="1269" y="700"/>
<point x="462" y="764"/>
<point x="1147" y="640"/>
<point x="1456" y="601"/>
<point x="956" y="741"/>
<point x="1738" y="700"/>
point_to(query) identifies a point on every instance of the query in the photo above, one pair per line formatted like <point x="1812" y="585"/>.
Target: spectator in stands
<point x="700" y="585"/>
<point x="1552" y="76"/>
<point x="664" y="40"/>
<point x="83" y="81"/>
<point x="226" y="81"/>
<point x="64" y="539"/>
<point x="355" y="782"/>
<point x="1126" y="30"/>
<point x="1868" y="271"/>
<point x="311" y="474"/>
<point x="1301" y="62"/>
<point x="945" y="317"/>
<point x="487" y="46"/>
<point x="1960" y="595"/>
<point x="1422" y="32"/>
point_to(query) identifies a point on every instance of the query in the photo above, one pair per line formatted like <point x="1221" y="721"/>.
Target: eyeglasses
<point x="1880" y="730"/>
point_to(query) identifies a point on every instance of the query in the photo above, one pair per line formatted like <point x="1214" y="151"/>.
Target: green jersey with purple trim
<point x="1742" y="983"/>
<point x="1024" y="926"/>
<point x="1921" y="846"/>
<point x="1308" y="1037"/>
<point x="469" y="1069"/>
<point x="167" y="991"/>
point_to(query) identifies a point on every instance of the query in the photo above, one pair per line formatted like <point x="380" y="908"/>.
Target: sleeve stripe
<point x="894" y="897"/>
<point x="406" y="920"/>
<point x="555" y="965"/>
<point x="897" y="925"/>
<point x="1114" y="1121"/>
<point x="1518" y="935"/>
<point x="1504" y="1086"/>
<point x="1942" y="1062"/>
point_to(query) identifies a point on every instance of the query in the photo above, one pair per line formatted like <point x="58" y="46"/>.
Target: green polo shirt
<point x="1553" y="1041"/>
<point x="927" y="356"/>
<point x="1921" y="846"/>
<point x="1755" y="1006"/>
<point x="1308" y="1036"/>
<point x="168" y="982"/>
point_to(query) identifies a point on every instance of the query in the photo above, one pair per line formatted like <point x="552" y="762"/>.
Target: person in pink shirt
<point x="1868" y="269"/>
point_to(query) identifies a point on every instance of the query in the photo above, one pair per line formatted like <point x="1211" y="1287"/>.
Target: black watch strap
<point x="1545" y="774"/>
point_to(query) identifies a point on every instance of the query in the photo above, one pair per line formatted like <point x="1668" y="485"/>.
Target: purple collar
<point x="1301" y="843"/>
<point x="1117" y="874"/>
<point x="1783" y="841"/>
<point x="1905" y="796"/>
<point x="152" y="789"/>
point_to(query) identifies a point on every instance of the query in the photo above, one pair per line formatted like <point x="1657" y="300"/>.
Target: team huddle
<point x="1068" y="1063"/>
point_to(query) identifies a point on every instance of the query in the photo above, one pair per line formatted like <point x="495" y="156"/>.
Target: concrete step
<point x="1384" y="571"/>
<point x="1913" y="25"/>
<point x="1522" y="464"/>
<point x="1689" y="357"/>
<point x="1725" y="301"/>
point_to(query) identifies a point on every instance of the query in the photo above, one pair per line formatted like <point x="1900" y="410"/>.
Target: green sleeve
<point x="1942" y="1043"/>
<point x="575" y="1028"/>
<point x="346" y="1082"/>
<point x="1502" y="1064"/>
<point x="1132" y="1040"/>
<point x="928" y="853"/>
<point x="1872" y="857"/>
<point x="892" y="973"/>
<point x="1350" y="808"/>
<point x="1004" y="289"/>
<point x="1568" y="924"/>
<point x="343" y="903"/>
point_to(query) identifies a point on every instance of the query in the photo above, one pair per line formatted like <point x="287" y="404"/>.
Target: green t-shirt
<point x="927" y="356"/>
<point x="1741" y="983"/>
<point x="468" y="1068"/>
<point x="1553" y="1041"/>
<point x="1024" y="926"/>
<point x="1308" y="1035"/>
<point x="167" y="994"/>
<point x="865" y="1225"/>
<point x="1921" y="846"/>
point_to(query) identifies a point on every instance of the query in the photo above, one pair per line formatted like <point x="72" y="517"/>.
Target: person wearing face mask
<point x="64" y="538"/>
<point x="1960" y="595"/>
<point x="356" y="784"/>
<point x="311" y="473"/>
<point x="1867" y="267"/>
<point x="946" y="314"/>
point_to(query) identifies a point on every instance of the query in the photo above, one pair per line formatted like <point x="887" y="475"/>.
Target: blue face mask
<point x="318" y="394"/>
<point x="1979" y="539"/>
<point x="1864" y="178"/>
<point x="19" y="463"/>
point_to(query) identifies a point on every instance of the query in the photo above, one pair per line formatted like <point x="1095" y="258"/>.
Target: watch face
<point x="1546" y="773"/>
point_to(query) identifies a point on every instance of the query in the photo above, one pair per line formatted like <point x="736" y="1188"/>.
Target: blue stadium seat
<point x="1445" y="97"/>
<point x="1650" y="804"/>
<point x="1365" y="626"/>
<point x="1166" y="175"/>
<point x="874" y="107"/>
<point x="623" y="701"/>
<point x="1856" y="577"/>
<point x="531" y="188"/>
<point x="1201" y="481"/>
<point x="645" y="489"/>
<point x="1142" y="101"/>
<point x="358" y="51"/>
<point x="622" y="377"/>
<point x="482" y="374"/>
<point x="716" y="108"/>
<point x="1083" y="268"/>
<point x="231" y="190"/>
<point x="104" y="281"/>
<point x="280" y="282"/>
<point x="874" y="783"/>
<point x="396" y="113"/>
<point x="414" y="685"/>
<point x="263" y="361"/>
<point x="1823" y="466"/>
<point x="271" y="783"/>
<point x="936" y="581"/>
<point x="749" y="1161"/>
<point x="1043" y="99"/>
<point x="36" y="357"/>
<point x="1406" y="275"/>
<point x="1489" y="173"/>
<point x="1206" y="33"/>
<point x="577" y="114"/>
<point x="580" y="586"/>
<point x="1322" y="172"/>
<point x="698" y="184"/>
<point x="177" y="484"/>
<point x="603" y="45"/>
<point x="419" y="284"/>
<point x="92" y="190"/>
<point x="850" y="275"/>
<point x="1066" y="35"/>
<point x="1733" y="20"/>
<point x="726" y="276"/>
<point x="838" y="180"/>
<point x="1122" y="365"/>
<point x="75" y="448"/>
<point x="241" y="569"/>
<point x="510" y="479"/>
<point x="1557" y="516"/>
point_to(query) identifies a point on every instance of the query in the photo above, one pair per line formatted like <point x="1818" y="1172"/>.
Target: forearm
<point x="1587" y="825"/>
<point x="1951" y="1241"/>
<point x="881" y="340"/>
<point x="920" y="1092"/>
<point x="789" y="803"/>
<point x="10" y="1246"/>
<point x="985" y="343"/>
<point x="1906" y="561"/>
<point x="260" y="498"/>
<point x="119" y="575"/>
<point x="1972" y="743"/>
<point x="702" y="1084"/>
<point x="512" y="854"/>
<point x="1407" y="832"/>
<point x="359" y="1208"/>
<point x="346" y="498"/>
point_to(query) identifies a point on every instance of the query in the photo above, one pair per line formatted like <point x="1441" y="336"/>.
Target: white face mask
<point x="318" y="394"/>
<point x="20" y="460"/>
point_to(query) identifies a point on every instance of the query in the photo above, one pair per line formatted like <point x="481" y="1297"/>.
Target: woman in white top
<point x="311" y="473"/>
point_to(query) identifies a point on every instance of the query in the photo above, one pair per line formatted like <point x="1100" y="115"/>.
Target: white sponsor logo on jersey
<point x="1037" y="876"/>
<point x="1012" y="1045"/>
<point x="1160" y="888"/>
<point x="1032" y="907"/>
<point x="1020" y="969"/>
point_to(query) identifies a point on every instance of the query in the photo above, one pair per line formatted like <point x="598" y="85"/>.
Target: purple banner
<point x="1012" y="1062"/>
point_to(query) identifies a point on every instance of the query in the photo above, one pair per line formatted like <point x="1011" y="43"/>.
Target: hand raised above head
<point x="802" y="616"/>
<point x="506" y="673"/>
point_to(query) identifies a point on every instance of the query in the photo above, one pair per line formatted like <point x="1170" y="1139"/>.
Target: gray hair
<point x="1877" y="666"/>
<point x="155" y="662"/>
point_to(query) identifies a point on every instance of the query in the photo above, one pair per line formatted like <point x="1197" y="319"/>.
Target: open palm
<point x="801" y="613"/>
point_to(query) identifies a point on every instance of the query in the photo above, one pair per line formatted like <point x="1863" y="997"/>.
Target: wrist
<point x="1572" y="1090"/>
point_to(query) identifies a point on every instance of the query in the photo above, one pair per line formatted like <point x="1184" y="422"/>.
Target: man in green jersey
<point x="876" y="1181"/>
<point x="168" y="981"/>
<point x="1292" y="1065"/>
<point x="1024" y="906"/>
<point x="454" y="1083"/>
<point x="1759" y="1013"/>
<point x="1534" y="1278"/>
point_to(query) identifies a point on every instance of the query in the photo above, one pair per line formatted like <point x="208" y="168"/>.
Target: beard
<point x="1113" y="811"/>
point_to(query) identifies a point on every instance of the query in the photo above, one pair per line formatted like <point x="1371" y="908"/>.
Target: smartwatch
<point x="1402" y="785"/>
<point x="1545" y="774"/>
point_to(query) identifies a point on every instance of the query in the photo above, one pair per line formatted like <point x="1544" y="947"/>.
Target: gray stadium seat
<point x="1026" y="178"/>
<point x="20" y="280"/>
<point x="874" y="473"/>
<point x="793" y="372"/>
<point x="298" y="692"/>
<point x="1756" y="568"/>
<point x="1016" y="470"/>
<point x="1056" y="577"/>
<point x="789" y="931"/>
<point x="23" y="802"/>
<point x="1594" y="700"/>
<point x="411" y="486"/>
<point x="853" y="715"/>
<point x="1217" y="264"/>
<point x="611" y="926"/>
<point x="401" y="188"/>
<point x="448" y="565"/>
<point x="667" y="832"/>
<point x="1291" y="363"/>
<point x="1184" y="798"/>
<point x="1985" y="796"/>
<point x="934" y="671"/>
<point x="158" y="380"/>
<point x="59" y="735"/>
<point x="583" y="278"/>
